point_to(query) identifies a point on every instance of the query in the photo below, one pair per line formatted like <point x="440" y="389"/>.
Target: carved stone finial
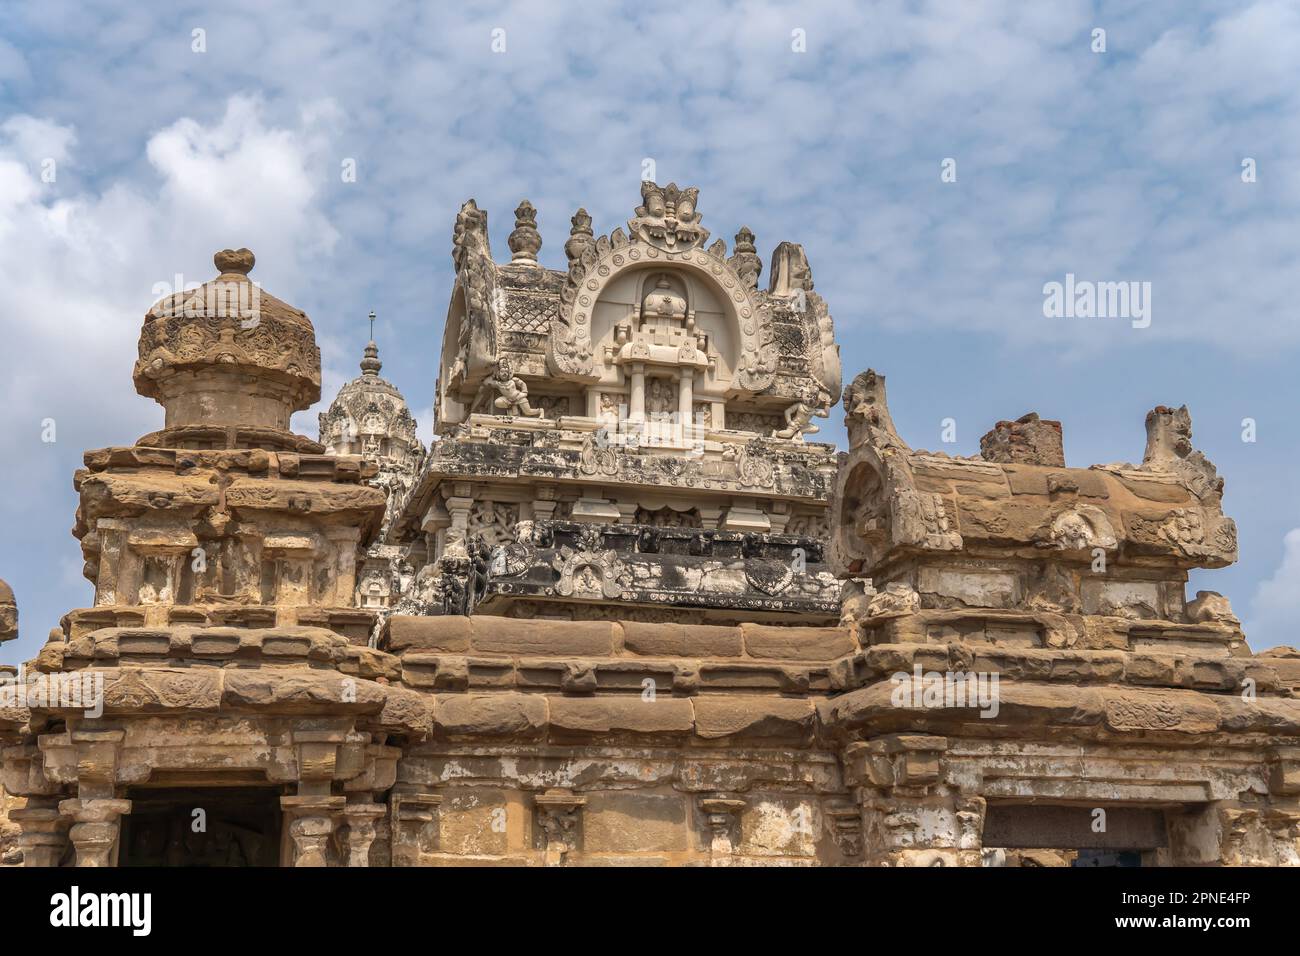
<point x="666" y="218"/>
<point x="1169" y="435"/>
<point x="745" y="260"/>
<point x="370" y="364"/>
<point x="790" y="270"/>
<point x="866" y="412"/>
<point x="8" y="613"/>
<point x="525" y="241"/>
<point x="1029" y="440"/>
<point x="1169" y="448"/>
<point x="470" y="235"/>
<point x="580" y="236"/>
<point x="234" y="261"/>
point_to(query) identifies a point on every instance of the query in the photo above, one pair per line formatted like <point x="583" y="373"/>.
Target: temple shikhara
<point x="626" y="608"/>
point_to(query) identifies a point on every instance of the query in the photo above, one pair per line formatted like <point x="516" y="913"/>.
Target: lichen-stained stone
<point x="630" y="822"/>
<point x="473" y="821"/>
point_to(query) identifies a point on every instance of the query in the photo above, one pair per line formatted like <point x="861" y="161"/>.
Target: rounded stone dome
<point x="369" y="416"/>
<point x="229" y="362"/>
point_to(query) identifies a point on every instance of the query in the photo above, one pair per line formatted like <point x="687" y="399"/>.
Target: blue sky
<point x="1122" y="165"/>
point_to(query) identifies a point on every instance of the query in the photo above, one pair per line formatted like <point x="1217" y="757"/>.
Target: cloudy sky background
<point x="1122" y="165"/>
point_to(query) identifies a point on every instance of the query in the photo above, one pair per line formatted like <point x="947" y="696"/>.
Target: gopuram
<point x="623" y="611"/>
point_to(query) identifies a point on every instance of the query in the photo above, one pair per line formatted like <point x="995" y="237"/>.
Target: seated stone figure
<point x="512" y="393"/>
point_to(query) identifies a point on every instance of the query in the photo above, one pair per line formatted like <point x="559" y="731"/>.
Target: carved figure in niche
<point x="798" y="417"/>
<point x="660" y="398"/>
<point x="512" y="393"/>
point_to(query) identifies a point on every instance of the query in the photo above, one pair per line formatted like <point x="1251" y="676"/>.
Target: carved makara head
<point x="667" y="218"/>
<point x="469" y="235"/>
<point x="1169" y="434"/>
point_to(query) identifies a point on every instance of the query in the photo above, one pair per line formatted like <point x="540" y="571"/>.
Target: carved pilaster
<point x="559" y="817"/>
<point x="722" y="814"/>
<point x="415" y="825"/>
<point x="844" y="820"/>
<point x="44" y="835"/>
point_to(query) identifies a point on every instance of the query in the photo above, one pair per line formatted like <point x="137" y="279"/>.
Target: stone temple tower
<point x="369" y="417"/>
<point x="626" y="437"/>
<point x="221" y="543"/>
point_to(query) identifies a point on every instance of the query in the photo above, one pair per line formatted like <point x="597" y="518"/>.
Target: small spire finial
<point x="525" y="241"/>
<point x="370" y="364"/>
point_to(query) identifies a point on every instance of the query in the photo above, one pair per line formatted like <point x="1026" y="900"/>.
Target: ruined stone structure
<point x="1013" y="674"/>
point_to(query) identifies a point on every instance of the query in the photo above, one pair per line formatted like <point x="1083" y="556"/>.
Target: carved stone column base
<point x="95" y="828"/>
<point x="44" y="836"/>
<point x="311" y="823"/>
<point x="361" y="819"/>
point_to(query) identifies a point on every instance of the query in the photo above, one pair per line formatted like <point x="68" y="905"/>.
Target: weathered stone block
<point x="628" y="822"/>
<point x="447" y="633"/>
<point x="491" y="715"/>
<point x="505" y="635"/>
<point x="679" y="640"/>
<point x="797" y="643"/>
<point x="749" y="716"/>
<point x="602" y="715"/>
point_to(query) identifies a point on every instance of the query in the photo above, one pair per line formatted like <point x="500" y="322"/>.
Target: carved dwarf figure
<point x="798" y="417"/>
<point x="512" y="393"/>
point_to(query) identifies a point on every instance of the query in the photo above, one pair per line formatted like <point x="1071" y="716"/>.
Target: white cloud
<point x="90" y="260"/>
<point x="1275" y="610"/>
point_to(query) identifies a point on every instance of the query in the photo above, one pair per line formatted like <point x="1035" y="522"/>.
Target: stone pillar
<point x="710" y="515"/>
<point x="686" y="401"/>
<point x="311" y="821"/>
<point x="95" y="828"/>
<point x="544" y="504"/>
<point x="559" y="816"/>
<point x="360" y="819"/>
<point x="912" y="816"/>
<point x="44" y="836"/>
<point x="458" y="507"/>
<point x="636" y="396"/>
<point x="722" y="814"/>
<point x="344" y="541"/>
<point x="112" y="540"/>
